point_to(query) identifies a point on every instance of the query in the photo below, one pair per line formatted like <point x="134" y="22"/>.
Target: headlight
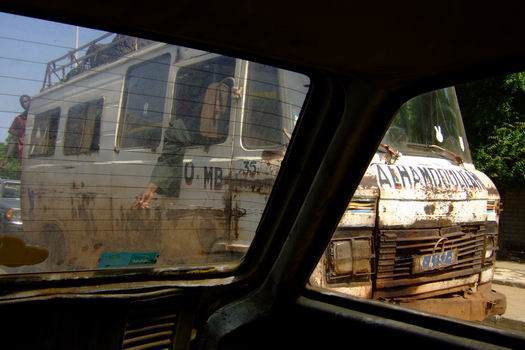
<point x="9" y="214"/>
<point x="350" y="256"/>
<point x="494" y="206"/>
<point x="489" y="248"/>
<point x="362" y="205"/>
<point x="12" y="214"/>
<point x="342" y="257"/>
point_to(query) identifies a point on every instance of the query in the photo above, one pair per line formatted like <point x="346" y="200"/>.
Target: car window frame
<point x="393" y="97"/>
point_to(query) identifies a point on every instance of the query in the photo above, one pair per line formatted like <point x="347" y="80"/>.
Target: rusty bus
<point x="421" y="229"/>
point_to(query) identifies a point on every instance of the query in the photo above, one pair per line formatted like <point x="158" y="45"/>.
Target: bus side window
<point x="82" y="133"/>
<point x="143" y="105"/>
<point x="203" y="99"/>
<point x="262" y="124"/>
<point x="44" y="133"/>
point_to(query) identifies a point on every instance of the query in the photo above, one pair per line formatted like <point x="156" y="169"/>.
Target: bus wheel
<point x="54" y="241"/>
<point x="207" y="233"/>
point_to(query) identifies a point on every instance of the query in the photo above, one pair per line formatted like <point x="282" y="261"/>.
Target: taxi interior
<point x="364" y="60"/>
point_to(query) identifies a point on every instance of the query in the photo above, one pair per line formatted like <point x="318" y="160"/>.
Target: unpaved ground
<point x="515" y="301"/>
<point x="514" y="317"/>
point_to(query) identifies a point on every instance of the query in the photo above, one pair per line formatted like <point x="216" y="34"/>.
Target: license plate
<point x="435" y="261"/>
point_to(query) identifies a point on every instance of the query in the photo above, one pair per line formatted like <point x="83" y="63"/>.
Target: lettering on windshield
<point x="408" y="176"/>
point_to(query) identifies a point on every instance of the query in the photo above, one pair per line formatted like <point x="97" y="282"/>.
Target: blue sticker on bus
<point x="127" y="259"/>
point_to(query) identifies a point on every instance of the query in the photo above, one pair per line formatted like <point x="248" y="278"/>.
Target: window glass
<point x="203" y="99"/>
<point x="44" y="133"/>
<point x="144" y="100"/>
<point x="274" y="99"/>
<point x="177" y="176"/>
<point x="262" y="124"/>
<point x="429" y="124"/>
<point x="11" y="190"/>
<point x="82" y="133"/>
<point x="295" y="88"/>
<point x="423" y="229"/>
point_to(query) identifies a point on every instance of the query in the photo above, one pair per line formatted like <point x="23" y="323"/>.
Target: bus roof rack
<point x="95" y="53"/>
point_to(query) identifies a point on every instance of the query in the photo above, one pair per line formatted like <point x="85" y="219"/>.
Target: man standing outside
<point x="17" y="130"/>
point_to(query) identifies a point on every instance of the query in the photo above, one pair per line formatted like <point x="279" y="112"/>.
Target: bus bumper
<point x="471" y="305"/>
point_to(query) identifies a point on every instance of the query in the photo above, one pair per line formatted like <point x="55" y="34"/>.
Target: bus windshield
<point x="11" y="190"/>
<point x="429" y="123"/>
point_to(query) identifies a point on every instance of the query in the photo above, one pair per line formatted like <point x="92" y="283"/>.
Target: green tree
<point x="494" y="115"/>
<point x="503" y="156"/>
<point x="9" y="167"/>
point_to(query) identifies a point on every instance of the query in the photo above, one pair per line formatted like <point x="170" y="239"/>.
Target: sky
<point x="26" y="45"/>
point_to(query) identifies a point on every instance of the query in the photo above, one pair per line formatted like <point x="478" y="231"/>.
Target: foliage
<point x="503" y="156"/>
<point x="9" y="167"/>
<point x="494" y="114"/>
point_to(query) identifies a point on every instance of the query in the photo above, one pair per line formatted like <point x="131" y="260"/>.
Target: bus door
<point x="271" y="105"/>
<point x="143" y="114"/>
<point x="196" y="159"/>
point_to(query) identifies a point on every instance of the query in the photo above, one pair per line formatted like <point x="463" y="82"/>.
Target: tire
<point x="53" y="238"/>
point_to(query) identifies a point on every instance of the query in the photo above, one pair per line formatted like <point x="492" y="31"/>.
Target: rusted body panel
<point x="472" y="305"/>
<point x="425" y="209"/>
<point x="429" y="195"/>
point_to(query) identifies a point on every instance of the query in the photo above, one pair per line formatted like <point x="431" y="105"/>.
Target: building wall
<point x="512" y="220"/>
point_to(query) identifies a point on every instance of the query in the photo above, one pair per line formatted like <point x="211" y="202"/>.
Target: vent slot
<point x="151" y="325"/>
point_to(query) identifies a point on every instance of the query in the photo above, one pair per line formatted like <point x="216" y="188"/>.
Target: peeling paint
<point x="430" y="209"/>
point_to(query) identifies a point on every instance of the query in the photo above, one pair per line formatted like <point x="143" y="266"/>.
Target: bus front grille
<point x="396" y="275"/>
